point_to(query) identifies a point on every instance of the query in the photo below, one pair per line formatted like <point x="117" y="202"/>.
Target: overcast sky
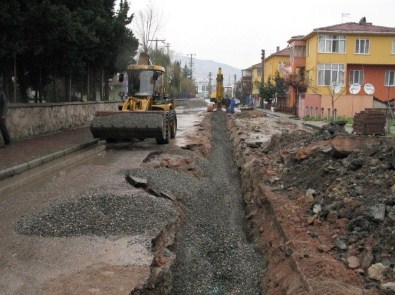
<point x="234" y="31"/>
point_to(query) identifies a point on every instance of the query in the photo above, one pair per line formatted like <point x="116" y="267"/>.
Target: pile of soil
<point x="331" y="196"/>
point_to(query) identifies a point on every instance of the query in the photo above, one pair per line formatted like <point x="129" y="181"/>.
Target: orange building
<point x="346" y="68"/>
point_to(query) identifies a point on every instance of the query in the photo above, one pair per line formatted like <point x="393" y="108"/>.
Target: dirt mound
<point x="333" y="195"/>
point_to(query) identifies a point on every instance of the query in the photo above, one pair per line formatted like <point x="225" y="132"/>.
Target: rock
<point x="377" y="271"/>
<point x="324" y="248"/>
<point x="332" y="217"/>
<point x="317" y="208"/>
<point x="311" y="219"/>
<point x="367" y="260"/>
<point x="391" y="212"/>
<point x="315" y="147"/>
<point x="353" y="262"/>
<point x="377" y="211"/>
<point x="310" y="192"/>
<point x="340" y="244"/>
<point x="137" y="182"/>
<point x="388" y="288"/>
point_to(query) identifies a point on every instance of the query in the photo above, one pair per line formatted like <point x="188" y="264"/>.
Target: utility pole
<point x="168" y="48"/>
<point x="262" y="73"/>
<point x="191" y="62"/>
<point x="209" y="84"/>
<point x="156" y="42"/>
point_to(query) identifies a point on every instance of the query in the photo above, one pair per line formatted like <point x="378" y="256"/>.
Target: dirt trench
<point x="271" y="229"/>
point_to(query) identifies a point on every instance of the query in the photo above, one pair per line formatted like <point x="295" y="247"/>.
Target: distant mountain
<point x="201" y="69"/>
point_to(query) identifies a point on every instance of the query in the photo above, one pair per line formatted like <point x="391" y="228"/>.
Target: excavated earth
<point x="320" y="204"/>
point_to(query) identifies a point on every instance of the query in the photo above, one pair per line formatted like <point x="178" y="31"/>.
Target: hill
<point x="201" y="69"/>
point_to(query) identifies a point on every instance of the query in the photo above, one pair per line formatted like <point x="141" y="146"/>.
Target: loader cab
<point x="145" y="81"/>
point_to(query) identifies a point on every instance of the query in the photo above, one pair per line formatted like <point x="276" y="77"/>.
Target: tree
<point x="175" y="78"/>
<point x="299" y="82"/>
<point x="147" y="26"/>
<point x="335" y="91"/>
<point x="267" y="91"/>
<point x="281" y="87"/>
<point x="57" y="46"/>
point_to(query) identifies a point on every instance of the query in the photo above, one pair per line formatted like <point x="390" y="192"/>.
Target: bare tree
<point x="336" y="90"/>
<point x="148" y="25"/>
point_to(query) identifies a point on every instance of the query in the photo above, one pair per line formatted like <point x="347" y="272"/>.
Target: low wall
<point x="316" y="105"/>
<point x="29" y="120"/>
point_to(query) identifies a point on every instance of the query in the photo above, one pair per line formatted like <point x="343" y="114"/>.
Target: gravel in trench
<point x="214" y="256"/>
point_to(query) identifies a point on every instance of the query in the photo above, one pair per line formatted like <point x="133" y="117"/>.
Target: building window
<point x="299" y="51"/>
<point x="389" y="78"/>
<point x="362" y="46"/>
<point x="393" y="47"/>
<point x="330" y="73"/>
<point x="332" y="43"/>
<point x="356" y="76"/>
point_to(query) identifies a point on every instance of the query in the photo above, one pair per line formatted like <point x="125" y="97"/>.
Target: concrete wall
<point x="28" y="120"/>
<point x="315" y="105"/>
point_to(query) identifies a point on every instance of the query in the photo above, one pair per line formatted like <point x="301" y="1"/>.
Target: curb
<point x="23" y="167"/>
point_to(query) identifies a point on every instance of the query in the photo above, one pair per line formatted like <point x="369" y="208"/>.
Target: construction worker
<point x="232" y="105"/>
<point x="3" y="114"/>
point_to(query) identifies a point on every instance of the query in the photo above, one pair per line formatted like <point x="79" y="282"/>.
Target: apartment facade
<point x="347" y="67"/>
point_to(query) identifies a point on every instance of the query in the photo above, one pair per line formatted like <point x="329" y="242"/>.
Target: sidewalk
<point x="23" y="155"/>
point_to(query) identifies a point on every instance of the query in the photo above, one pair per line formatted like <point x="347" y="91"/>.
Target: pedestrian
<point x="251" y="101"/>
<point x="232" y="105"/>
<point x="3" y="114"/>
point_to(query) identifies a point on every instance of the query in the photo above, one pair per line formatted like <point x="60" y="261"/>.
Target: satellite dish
<point x="368" y="88"/>
<point x="354" y="88"/>
<point x="336" y="88"/>
<point x="362" y="21"/>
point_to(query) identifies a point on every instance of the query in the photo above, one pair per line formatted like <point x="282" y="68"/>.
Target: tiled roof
<point x="258" y="65"/>
<point x="283" y="52"/>
<point x="356" y="28"/>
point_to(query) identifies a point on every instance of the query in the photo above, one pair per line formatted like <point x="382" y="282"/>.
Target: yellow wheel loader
<point x="147" y="111"/>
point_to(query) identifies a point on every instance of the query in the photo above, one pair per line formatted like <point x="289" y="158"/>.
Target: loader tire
<point x="166" y="137"/>
<point x="173" y="125"/>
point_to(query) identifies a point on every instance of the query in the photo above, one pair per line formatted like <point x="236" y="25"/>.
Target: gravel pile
<point x="99" y="214"/>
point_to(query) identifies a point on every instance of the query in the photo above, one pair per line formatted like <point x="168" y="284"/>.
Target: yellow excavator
<point x="217" y="97"/>
<point x="147" y="111"/>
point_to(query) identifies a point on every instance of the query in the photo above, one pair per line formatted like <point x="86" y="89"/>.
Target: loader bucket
<point x="128" y="125"/>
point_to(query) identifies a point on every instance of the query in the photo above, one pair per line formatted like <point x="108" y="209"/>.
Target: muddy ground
<point x="255" y="205"/>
